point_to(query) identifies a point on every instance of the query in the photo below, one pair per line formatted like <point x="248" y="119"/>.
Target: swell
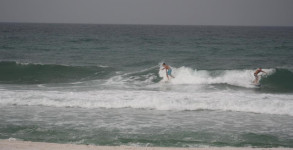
<point x="20" y="73"/>
<point x="280" y="80"/>
<point x="276" y="80"/>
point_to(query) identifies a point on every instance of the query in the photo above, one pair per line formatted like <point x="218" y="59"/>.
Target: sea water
<point x="103" y="85"/>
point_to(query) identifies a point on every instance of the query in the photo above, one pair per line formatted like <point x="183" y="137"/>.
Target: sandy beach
<point x="26" y="145"/>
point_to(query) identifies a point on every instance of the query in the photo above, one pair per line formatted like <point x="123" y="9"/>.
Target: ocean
<point x="103" y="85"/>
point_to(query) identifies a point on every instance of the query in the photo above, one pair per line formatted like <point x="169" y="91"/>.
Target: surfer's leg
<point x="169" y="73"/>
<point x="256" y="79"/>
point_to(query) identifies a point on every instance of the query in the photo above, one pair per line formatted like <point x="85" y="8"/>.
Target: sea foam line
<point x="159" y="100"/>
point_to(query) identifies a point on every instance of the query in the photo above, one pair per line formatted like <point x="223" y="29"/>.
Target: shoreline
<point x="28" y="145"/>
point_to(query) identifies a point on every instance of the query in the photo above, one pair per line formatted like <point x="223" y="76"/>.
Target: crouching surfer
<point x="256" y="81"/>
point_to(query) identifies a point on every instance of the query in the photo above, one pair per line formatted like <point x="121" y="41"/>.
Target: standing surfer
<point x="168" y="70"/>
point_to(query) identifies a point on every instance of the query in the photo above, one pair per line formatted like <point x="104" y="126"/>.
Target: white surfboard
<point x="256" y="84"/>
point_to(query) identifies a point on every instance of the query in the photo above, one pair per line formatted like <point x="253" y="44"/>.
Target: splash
<point x="185" y="75"/>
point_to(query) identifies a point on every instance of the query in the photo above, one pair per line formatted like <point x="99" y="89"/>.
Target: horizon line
<point x="16" y="22"/>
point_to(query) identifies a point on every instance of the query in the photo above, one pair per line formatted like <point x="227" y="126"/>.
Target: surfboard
<point x="166" y="81"/>
<point x="256" y="84"/>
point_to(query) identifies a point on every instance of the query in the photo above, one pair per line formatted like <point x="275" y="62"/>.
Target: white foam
<point x="128" y="78"/>
<point x="160" y="100"/>
<point x="102" y="66"/>
<point x="12" y="139"/>
<point x="185" y="75"/>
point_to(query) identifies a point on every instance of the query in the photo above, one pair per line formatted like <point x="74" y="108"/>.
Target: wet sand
<point x="26" y="145"/>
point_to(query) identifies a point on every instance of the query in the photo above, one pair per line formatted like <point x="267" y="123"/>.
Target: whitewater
<point x="190" y="90"/>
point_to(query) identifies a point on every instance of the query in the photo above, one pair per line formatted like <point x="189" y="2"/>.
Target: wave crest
<point x="28" y="73"/>
<point x="185" y="75"/>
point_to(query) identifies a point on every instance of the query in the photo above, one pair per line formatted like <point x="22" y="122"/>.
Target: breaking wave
<point x="159" y="100"/>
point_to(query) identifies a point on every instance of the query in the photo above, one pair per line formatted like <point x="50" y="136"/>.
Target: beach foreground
<point x="27" y="145"/>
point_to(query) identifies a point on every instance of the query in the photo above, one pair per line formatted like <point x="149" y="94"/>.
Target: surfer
<point x="168" y="70"/>
<point x="256" y="75"/>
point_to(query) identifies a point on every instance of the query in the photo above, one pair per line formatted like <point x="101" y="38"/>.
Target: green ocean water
<point x="102" y="85"/>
